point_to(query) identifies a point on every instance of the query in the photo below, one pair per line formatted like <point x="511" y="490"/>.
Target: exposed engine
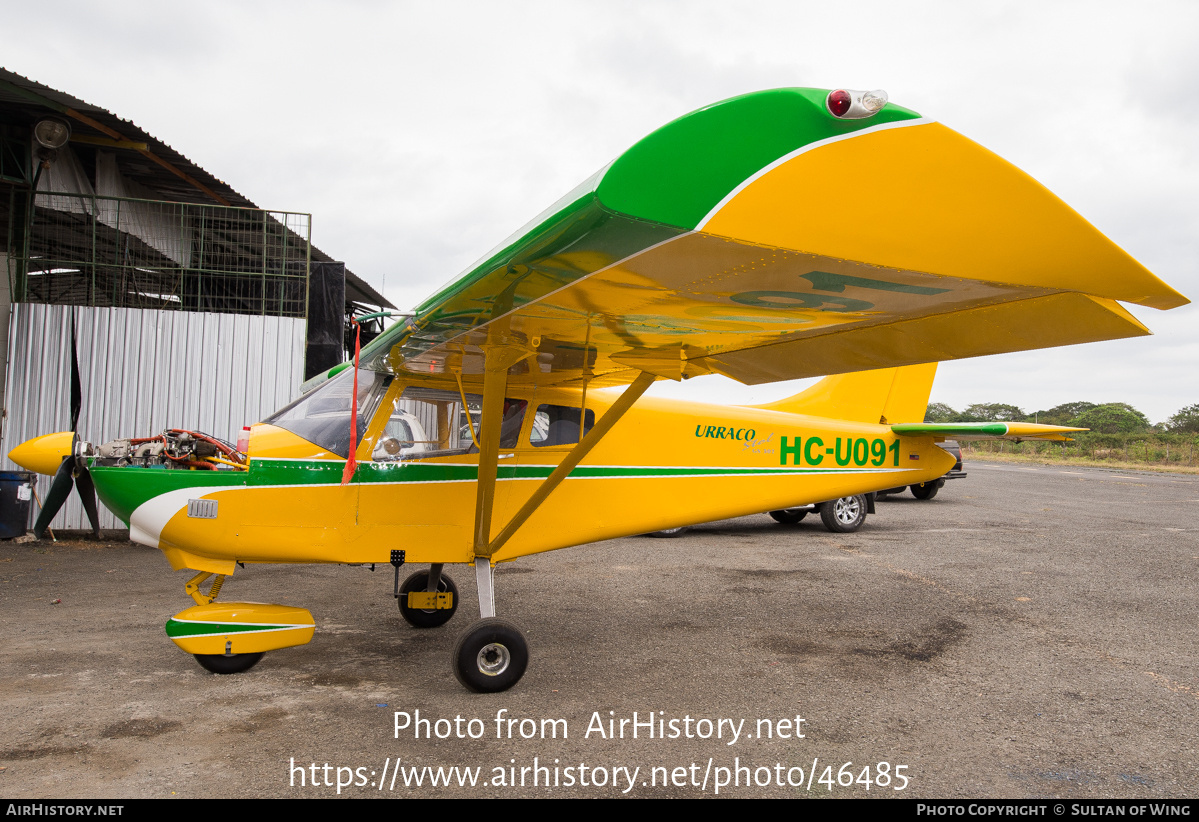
<point x="173" y="448"/>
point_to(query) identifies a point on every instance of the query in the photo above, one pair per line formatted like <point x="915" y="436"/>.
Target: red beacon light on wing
<point x="846" y="104"/>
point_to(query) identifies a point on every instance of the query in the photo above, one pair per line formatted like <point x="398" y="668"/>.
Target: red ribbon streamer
<point x="352" y="459"/>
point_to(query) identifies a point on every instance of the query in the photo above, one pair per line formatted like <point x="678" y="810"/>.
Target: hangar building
<point x="188" y="305"/>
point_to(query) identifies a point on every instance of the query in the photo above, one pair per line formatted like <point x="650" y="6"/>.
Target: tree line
<point x="1105" y="418"/>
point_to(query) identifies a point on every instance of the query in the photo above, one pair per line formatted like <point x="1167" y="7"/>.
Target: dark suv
<point x="928" y="490"/>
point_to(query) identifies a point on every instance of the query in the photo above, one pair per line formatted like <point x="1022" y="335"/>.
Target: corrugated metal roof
<point x="158" y="167"/>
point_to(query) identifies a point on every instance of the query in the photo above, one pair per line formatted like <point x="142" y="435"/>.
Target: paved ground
<point x="1028" y="633"/>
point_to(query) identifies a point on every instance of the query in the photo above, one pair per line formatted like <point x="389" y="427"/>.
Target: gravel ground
<point x="1029" y="632"/>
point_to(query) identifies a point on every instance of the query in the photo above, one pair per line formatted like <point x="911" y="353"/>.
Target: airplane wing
<point x="986" y="431"/>
<point x="765" y="239"/>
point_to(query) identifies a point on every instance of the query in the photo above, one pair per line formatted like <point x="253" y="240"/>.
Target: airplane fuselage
<point x="666" y="463"/>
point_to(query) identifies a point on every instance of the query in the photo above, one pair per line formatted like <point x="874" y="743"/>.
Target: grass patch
<point x="1117" y="459"/>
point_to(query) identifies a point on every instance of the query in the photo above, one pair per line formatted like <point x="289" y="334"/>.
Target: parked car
<point x="670" y="532"/>
<point x="841" y="516"/>
<point x="928" y="490"/>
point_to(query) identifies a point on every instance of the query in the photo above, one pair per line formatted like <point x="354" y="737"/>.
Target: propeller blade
<point x="76" y="388"/>
<point x="60" y="489"/>
<point x="87" y="493"/>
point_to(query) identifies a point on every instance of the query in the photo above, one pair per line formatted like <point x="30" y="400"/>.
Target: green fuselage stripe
<point x="123" y="488"/>
<point x="181" y="628"/>
<point x="326" y="472"/>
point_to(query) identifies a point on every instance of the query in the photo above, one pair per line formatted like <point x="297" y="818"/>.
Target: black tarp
<point x="326" y="317"/>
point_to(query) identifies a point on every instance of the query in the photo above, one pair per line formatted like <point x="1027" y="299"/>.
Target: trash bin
<point x="16" y="495"/>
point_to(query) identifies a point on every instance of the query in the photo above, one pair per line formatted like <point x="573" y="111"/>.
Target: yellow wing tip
<point x="1166" y="301"/>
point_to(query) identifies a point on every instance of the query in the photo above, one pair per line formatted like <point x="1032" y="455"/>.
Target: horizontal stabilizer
<point x="986" y="430"/>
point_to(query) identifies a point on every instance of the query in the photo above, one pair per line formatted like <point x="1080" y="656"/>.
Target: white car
<point x="402" y="437"/>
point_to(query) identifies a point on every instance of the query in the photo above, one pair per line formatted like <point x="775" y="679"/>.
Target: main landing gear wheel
<point x="490" y="656"/>
<point x="430" y="618"/>
<point x="845" y="515"/>
<point x="221" y="664"/>
<point x="789" y="516"/>
<point x="925" y="490"/>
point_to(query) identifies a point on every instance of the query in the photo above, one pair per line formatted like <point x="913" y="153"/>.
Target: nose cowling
<point x="43" y="454"/>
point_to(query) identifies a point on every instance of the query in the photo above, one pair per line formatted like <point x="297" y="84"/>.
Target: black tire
<point x="845" y="515"/>
<point x="419" y="617"/>
<point x="926" y="490"/>
<point x="789" y="516"/>
<point x="490" y="656"/>
<point x="668" y="533"/>
<point x="221" y="664"/>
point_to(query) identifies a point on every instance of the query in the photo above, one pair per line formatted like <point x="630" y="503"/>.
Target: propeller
<point x="72" y="471"/>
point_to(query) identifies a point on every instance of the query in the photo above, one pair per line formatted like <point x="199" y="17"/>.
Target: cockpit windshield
<point x="322" y="416"/>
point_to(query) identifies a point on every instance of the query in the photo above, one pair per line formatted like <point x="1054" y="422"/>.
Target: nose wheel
<point x="231" y="664"/>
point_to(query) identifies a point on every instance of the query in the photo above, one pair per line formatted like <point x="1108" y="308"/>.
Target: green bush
<point x="1112" y="418"/>
<point x="1185" y="421"/>
<point x="1147" y="447"/>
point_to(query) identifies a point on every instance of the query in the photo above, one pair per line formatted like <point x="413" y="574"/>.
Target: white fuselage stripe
<point x="148" y="519"/>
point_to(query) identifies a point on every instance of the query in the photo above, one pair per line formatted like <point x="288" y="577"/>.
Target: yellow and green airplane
<point x="777" y="235"/>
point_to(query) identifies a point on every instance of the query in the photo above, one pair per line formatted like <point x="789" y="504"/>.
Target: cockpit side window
<point x="559" y="425"/>
<point x="428" y="422"/>
<point x="322" y="416"/>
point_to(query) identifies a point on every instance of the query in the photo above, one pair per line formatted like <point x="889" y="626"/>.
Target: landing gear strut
<point x="231" y="637"/>
<point x="492" y="654"/>
<point x="228" y="662"/>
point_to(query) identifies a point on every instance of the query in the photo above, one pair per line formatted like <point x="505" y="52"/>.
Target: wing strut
<point x="495" y="383"/>
<point x="492" y="654"/>
<point x="572" y="459"/>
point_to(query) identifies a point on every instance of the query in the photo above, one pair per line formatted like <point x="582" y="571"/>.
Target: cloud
<point x="419" y="135"/>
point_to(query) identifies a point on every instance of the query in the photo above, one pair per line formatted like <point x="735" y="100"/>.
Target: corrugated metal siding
<point x="425" y="412"/>
<point x="143" y="372"/>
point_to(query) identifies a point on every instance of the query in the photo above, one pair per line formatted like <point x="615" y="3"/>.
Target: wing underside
<point x="820" y="248"/>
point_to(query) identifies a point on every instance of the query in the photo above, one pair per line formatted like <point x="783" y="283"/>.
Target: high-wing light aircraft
<point x="777" y="235"/>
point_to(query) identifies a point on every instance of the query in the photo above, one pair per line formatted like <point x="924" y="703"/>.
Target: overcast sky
<point x="419" y="135"/>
